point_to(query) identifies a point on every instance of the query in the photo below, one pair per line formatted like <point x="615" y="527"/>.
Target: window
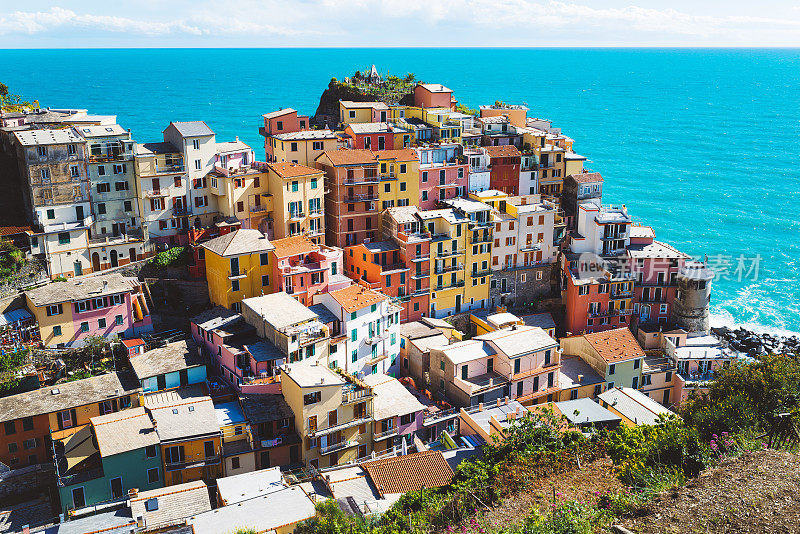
<point x="464" y="372"/>
<point x="635" y="382"/>
<point x="152" y="475"/>
<point x="354" y="335"/>
<point x="12" y="448"/>
<point x="402" y="168"/>
<point x="55" y="309"/>
<point x="441" y="365"/>
<point x="293" y="147"/>
<point x="128" y="205"/>
<point x="279" y="125"/>
<point x="517" y="365"/>
<point x="196" y="144"/>
<point x="101" y="322"/>
<point x="85" y="326"/>
<point x="519" y="389"/>
<point x="234" y="285"/>
<point x="354" y="356"/>
<point x="317" y="145"/>
<point x="63" y="238"/>
<point x="610" y="385"/>
<point x="9" y="428"/>
<point x="30" y="443"/>
<point x="240" y="206"/>
<point x="264" y="257"/>
<point x="636" y="364"/>
<point x="198" y="165"/>
<point x="235" y="462"/>
<point x="425" y="176"/>
<point x="150" y="451"/>
<point x="598" y="389"/>
<point x="118" y="320"/>
<point x="406" y="419"/>
<point x="612" y="369"/>
<point x="41" y="150"/>
<point x="101" y="208"/>
<point x="295" y="186"/>
<point x="312" y="398"/>
<point x="51" y="214"/>
<point x="264" y="280"/>
<point x="27" y="424"/>
<point x="314" y="183"/>
<point x="73" y="171"/>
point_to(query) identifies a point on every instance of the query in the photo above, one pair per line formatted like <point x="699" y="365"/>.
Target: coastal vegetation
<point x="645" y="461"/>
<point x="12" y="102"/>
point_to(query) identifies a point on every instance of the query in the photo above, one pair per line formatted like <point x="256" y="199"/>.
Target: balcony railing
<point x="356" y="395"/>
<point x="421" y="291"/>
<point x="440" y="269"/>
<point x="481" y="272"/>
<point x="422" y="273"/>
<point x="385" y="434"/>
<point x="361" y="180"/>
<point x="447" y="253"/>
<point x="441" y="415"/>
<point x="621" y="294"/>
<point x="364" y="419"/>
<point x="156" y="193"/>
<point x="479" y="239"/>
<point x="611" y="313"/>
<point x="376" y="359"/>
<point x="259" y="208"/>
<point x="187" y="463"/>
<point x="375" y="337"/>
<point x="181" y="211"/>
<point x="296" y="215"/>
<point x="394" y="267"/>
<point x="170" y="169"/>
<point x="362" y="197"/>
<point x="451" y="285"/>
<point x="333" y="447"/>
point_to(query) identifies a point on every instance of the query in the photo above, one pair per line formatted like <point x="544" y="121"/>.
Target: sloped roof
<point x="80" y="289"/>
<point x="265" y="408"/>
<point x="402" y="474"/>
<point x="48" y="137"/>
<point x="292" y="170"/>
<point x="192" y="128"/>
<point x="615" y="345"/>
<point x="634" y="405"/>
<point x="279" y="309"/>
<point x="392" y="399"/>
<point x="400" y="154"/>
<point x="294" y="245"/>
<point x="243" y="241"/>
<point x="519" y="340"/>
<point x="68" y="395"/>
<point x="124" y="431"/>
<point x="346" y="156"/>
<point x="174" y="503"/>
<point x="280" y="112"/>
<point x="587" y="177"/>
<point x="502" y="151"/>
<point x="369" y="127"/>
<point x="355" y="297"/>
<point x="184" y="418"/>
<point x="170" y="358"/>
<point x="434" y="87"/>
<point x="215" y="317"/>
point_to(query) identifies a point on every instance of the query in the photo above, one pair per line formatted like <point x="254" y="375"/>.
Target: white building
<point x="479" y="169"/>
<point x="528" y="174"/>
<point x="371" y="323"/>
<point x="603" y="230"/>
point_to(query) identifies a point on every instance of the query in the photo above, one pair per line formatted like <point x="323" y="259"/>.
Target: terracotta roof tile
<point x="292" y="246"/>
<point x="355" y="297"/>
<point x="11" y="230"/>
<point x="403" y="154"/>
<point x="291" y="170"/>
<point x="502" y="151"/>
<point x="401" y="474"/>
<point x="587" y="177"/>
<point x="615" y="345"/>
<point x="346" y="156"/>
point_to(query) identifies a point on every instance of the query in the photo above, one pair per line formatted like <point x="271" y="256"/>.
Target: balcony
<point x="448" y="253"/>
<point x="611" y="313"/>
<point x="621" y="294"/>
<point x="181" y="211"/>
<point x="421" y="257"/>
<point x="361" y="180"/>
<point x="259" y="208"/>
<point x="296" y="215"/>
<point x="105" y="240"/>
<point x="341" y="426"/>
<point x="474" y="224"/>
<point x="376" y="359"/>
<point x="315" y="213"/>
<point x="616" y="235"/>
<point x="375" y="337"/>
<point x="481" y="273"/>
<point x="236" y="275"/>
<point x="440" y="269"/>
<point x="388" y="176"/>
<point x="484" y="382"/>
<point x="333" y="447"/>
<point x="421" y="291"/>
<point x="442" y="415"/>
<point x="356" y="395"/>
<point x="175" y="168"/>
<point x="421" y="273"/>
<point x="394" y="267"/>
<point x="478" y="240"/>
<point x="451" y="285"/>
<point x="530" y="247"/>
<point x="385" y="434"/>
<point x="156" y="193"/>
<point x="449" y="184"/>
<point x="361" y="197"/>
<point x="188" y="464"/>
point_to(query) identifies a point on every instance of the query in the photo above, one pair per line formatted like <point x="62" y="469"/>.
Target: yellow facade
<point x="313" y="420"/>
<point x="302" y="151"/>
<point x="244" y="196"/>
<point x="352" y="112"/>
<point x="227" y="288"/>
<point x="298" y="197"/>
<point x="56" y="328"/>
<point x="83" y="415"/>
<point x="192" y="449"/>
<point x="399" y="179"/>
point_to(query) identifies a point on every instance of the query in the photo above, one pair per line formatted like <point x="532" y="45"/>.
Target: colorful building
<point x="69" y="312"/>
<point x="362" y="112"/>
<point x="351" y="201"/>
<point x="279" y="122"/>
<point x="238" y="266"/>
<point x="370" y="136"/>
<point x="397" y="413"/>
<point x="399" y="176"/>
<point x="302" y="268"/>
<point x="613" y="354"/>
<point x="176" y="364"/>
<point x="301" y="147"/>
<point x="443" y="174"/>
<point x="505" y="163"/>
<point x="297" y="196"/>
<point x="433" y="95"/>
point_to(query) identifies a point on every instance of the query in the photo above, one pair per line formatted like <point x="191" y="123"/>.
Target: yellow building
<point x="351" y="112"/>
<point x="238" y="266"/>
<point x="399" y="175"/>
<point x="333" y="413"/>
<point x="461" y="245"/>
<point x="191" y="443"/>
<point x="298" y="198"/>
<point x="243" y="194"/>
<point x="302" y="147"/>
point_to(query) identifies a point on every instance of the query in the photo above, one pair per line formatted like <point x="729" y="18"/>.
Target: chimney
<point x="480" y="406"/>
<point x="499" y="402"/>
<point x="580" y="378"/>
<point x="133" y="492"/>
<point x="506" y="400"/>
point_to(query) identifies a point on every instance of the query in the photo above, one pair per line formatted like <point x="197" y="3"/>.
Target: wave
<point x="724" y="318"/>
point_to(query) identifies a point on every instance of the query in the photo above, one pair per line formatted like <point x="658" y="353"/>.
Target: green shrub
<point x="173" y="257"/>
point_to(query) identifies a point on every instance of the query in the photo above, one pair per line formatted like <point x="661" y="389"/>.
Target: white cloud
<point x="420" y="22"/>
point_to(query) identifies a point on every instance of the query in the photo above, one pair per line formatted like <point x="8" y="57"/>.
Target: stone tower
<point x="691" y="308"/>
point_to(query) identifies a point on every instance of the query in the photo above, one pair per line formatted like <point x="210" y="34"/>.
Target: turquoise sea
<point x="703" y="145"/>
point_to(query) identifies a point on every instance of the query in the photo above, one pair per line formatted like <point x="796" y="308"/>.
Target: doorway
<point x="78" y="268"/>
<point x="458" y="303"/>
<point x="78" y="498"/>
<point x="114" y="259"/>
<point x="116" y="488"/>
<point x="95" y="262"/>
<point x="132" y="253"/>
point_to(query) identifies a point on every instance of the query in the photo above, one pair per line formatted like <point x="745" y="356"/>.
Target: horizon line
<point x="509" y="47"/>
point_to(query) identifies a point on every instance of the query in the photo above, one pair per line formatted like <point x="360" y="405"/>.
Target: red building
<point x="505" y="161"/>
<point x="443" y="174"/>
<point x="434" y="95"/>
<point x="279" y="122"/>
<point x="370" y="135"/>
<point x="351" y="198"/>
<point x="303" y="268"/>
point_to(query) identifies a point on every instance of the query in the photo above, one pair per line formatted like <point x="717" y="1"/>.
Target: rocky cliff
<point x="328" y="109"/>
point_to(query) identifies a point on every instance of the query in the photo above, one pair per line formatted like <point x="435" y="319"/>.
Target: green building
<point x="102" y="461"/>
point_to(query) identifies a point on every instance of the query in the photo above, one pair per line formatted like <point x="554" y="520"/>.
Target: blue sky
<point x="368" y="23"/>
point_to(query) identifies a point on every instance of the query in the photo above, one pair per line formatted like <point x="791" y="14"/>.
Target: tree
<point x="11" y="102"/>
<point x="409" y="78"/>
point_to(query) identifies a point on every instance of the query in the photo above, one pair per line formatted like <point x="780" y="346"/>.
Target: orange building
<point x="434" y="95"/>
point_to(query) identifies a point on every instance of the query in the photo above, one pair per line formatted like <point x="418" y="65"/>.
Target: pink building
<point x="280" y="122"/>
<point x="241" y="359"/>
<point x="433" y="95"/>
<point x="303" y="269"/>
<point x="443" y="174"/>
<point x="656" y="267"/>
<point x="370" y="135"/>
<point x="397" y="413"/>
<point x="232" y="156"/>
